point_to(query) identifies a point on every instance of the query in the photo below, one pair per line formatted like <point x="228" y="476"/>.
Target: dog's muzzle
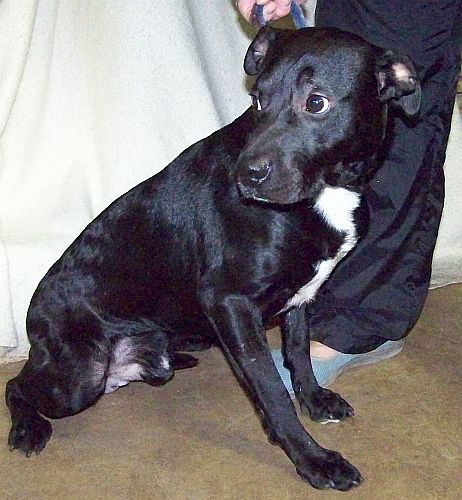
<point x="267" y="180"/>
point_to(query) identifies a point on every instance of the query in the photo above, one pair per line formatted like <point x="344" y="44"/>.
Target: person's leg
<point x="329" y="364"/>
<point x="376" y="294"/>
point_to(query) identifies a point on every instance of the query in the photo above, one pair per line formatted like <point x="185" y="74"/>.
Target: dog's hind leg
<point x="194" y="337"/>
<point x="133" y="359"/>
<point x="29" y="431"/>
<point x="140" y="356"/>
<point x="182" y="361"/>
<point x="196" y="344"/>
<point x="51" y="388"/>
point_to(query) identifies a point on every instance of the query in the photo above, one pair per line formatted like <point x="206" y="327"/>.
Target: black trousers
<point x="377" y="292"/>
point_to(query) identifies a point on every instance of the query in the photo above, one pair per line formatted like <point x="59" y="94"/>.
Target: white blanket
<point x="97" y="95"/>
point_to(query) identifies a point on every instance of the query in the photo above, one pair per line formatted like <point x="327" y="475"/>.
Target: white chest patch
<point x="336" y="206"/>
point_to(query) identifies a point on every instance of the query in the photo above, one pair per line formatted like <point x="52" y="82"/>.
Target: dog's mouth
<point x="278" y="196"/>
<point x="249" y="192"/>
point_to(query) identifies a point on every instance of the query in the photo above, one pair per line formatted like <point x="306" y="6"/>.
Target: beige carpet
<point x="198" y="437"/>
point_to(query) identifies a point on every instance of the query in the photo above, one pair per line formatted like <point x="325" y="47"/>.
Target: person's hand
<point x="272" y="9"/>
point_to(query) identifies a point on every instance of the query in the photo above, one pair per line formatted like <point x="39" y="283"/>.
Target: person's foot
<point x="329" y="364"/>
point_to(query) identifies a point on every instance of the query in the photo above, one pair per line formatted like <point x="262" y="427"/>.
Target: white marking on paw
<point x="329" y="421"/>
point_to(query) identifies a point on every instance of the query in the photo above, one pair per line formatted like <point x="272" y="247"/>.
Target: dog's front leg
<point x="239" y="327"/>
<point x="320" y="404"/>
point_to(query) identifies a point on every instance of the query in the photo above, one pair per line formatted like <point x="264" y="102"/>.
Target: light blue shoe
<point x="326" y="371"/>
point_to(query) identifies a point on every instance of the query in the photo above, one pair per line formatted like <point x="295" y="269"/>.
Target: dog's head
<point x="320" y="103"/>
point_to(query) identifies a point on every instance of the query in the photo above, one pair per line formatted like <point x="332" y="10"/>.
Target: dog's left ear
<point x="398" y="82"/>
<point x="258" y="49"/>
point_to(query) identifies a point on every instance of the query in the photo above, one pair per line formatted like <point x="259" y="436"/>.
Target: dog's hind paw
<point x="182" y="361"/>
<point x="29" y="434"/>
<point x="325" y="406"/>
<point x="330" y="470"/>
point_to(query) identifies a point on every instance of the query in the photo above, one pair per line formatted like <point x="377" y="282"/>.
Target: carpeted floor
<point x="198" y="437"/>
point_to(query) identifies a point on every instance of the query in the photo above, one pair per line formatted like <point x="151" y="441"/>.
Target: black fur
<point x="187" y="259"/>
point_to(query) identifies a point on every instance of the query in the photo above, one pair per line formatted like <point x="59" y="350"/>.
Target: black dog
<point x="242" y="226"/>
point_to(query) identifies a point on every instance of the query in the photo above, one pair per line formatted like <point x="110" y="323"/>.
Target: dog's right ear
<point x="399" y="83"/>
<point x="258" y="49"/>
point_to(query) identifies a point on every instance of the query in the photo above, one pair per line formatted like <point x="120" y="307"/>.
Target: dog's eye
<point x="317" y="104"/>
<point x="256" y="102"/>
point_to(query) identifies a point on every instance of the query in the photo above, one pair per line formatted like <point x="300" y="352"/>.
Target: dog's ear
<point x="398" y="82"/>
<point x="258" y="49"/>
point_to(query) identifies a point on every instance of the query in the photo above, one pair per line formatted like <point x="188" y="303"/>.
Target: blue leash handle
<point x="296" y="12"/>
<point x="297" y="16"/>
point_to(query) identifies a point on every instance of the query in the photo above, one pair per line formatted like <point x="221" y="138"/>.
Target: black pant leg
<point x="377" y="292"/>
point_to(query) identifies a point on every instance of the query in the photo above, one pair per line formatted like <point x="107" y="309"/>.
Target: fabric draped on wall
<point x="97" y="95"/>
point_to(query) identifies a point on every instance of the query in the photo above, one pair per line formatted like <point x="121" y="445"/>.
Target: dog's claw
<point x="329" y="420"/>
<point x="330" y="470"/>
<point x="29" y="435"/>
<point x="325" y="406"/>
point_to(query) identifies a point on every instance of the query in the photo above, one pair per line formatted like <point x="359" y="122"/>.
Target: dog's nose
<point x="259" y="170"/>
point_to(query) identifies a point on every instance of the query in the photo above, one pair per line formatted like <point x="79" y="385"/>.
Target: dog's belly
<point x="336" y="206"/>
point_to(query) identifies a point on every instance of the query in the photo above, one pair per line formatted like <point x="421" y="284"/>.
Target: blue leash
<point x="296" y="12"/>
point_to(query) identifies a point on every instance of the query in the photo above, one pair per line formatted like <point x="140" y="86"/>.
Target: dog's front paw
<point x="329" y="470"/>
<point x="325" y="406"/>
<point x="29" y="434"/>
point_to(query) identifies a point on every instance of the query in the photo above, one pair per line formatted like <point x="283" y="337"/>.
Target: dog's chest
<point x="336" y="206"/>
